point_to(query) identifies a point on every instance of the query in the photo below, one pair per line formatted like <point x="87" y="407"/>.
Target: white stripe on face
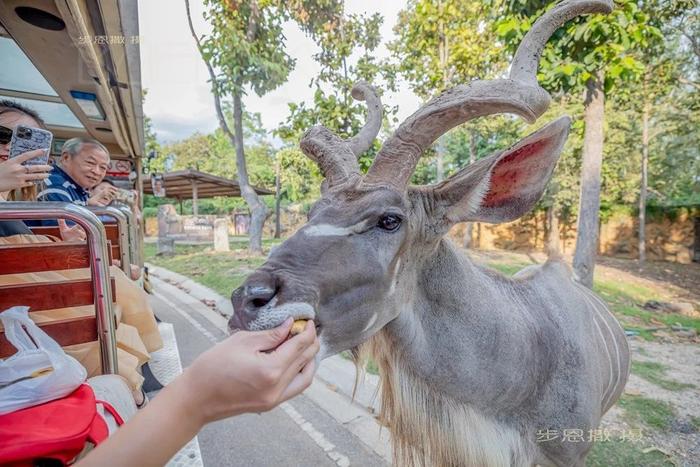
<point x="393" y="278"/>
<point x="328" y="230"/>
<point x="370" y="323"/>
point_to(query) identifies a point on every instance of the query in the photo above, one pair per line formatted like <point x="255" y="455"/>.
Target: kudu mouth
<point x="259" y="304"/>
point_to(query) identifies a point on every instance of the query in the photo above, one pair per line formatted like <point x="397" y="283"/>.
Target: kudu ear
<point x="505" y="185"/>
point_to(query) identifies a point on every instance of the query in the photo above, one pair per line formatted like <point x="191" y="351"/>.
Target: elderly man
<point x="83" y="165"/>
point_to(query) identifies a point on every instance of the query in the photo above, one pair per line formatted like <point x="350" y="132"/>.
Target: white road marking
<point x="188" y="318"/>
<point x="318" y="437"/>
<point x="306" y="426"/>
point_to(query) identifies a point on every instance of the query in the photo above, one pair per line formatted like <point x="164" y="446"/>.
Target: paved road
<point x="298" y="433"/>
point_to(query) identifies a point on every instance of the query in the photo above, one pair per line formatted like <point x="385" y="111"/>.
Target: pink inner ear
<point x="520" y="173"/>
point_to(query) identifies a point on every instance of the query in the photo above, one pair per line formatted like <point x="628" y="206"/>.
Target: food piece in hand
<point x="298" y="326"/>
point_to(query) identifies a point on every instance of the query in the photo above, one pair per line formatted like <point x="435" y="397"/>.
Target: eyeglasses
<point x="5" y="135"/>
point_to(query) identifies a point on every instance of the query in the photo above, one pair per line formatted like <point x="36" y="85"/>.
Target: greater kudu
<point x="474" y="365"/>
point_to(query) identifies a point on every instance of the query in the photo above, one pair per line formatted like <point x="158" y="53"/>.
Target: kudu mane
<point x="427" y="426"/>
<point x="430" y="428"/>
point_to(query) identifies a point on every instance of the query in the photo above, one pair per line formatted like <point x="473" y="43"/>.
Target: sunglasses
<point x="5" y="135"/>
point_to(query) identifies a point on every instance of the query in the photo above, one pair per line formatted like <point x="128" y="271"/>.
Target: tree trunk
<point x="589" y="205"/>
<point x="258" y="210"/>
<point x="553" y="243"/>
<point x="643" y="184"/>
<point x="696" y="239"/>
<point x="278" y="223"/>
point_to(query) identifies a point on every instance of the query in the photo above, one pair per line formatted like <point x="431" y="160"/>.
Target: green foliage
<point x="585" y="44"/>
<point x="246" y="46"/>
<point x="214" y="153"/>
<point x="443" y="42"/>
<point x="300" y="176"/>
<point x="655" y="372"/>
<point x="347" y="43"/>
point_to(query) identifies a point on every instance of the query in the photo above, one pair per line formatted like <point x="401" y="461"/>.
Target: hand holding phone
<point x="14" y="173"/>
<point x="103" y="195"/>
<point x="25" y="139"/>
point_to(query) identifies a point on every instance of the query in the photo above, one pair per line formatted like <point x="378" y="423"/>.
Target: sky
<point x="179" y="99"/>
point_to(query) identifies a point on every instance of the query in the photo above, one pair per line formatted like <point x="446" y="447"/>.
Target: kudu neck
<point x="451" y="335"/>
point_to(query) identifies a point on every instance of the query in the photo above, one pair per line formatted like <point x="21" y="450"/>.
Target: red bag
<point x="57" y="430"/>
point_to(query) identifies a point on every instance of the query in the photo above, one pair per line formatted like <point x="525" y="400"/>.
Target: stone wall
<point x="667" y="239"/>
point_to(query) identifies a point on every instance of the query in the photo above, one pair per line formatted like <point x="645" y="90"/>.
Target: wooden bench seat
<point x="111" y="232"/>
<point x="47" y="299"/>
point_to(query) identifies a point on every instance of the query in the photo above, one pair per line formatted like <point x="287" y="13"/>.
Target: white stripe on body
<point x="605" y="344"/>
<point x="589" y="297"/>
<point x="612" y="336"/>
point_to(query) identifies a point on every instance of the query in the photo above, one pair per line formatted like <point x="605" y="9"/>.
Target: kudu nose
<point x="253" y="295"/>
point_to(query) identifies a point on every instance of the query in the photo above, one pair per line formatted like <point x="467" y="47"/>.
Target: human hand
<point x="71" y="234"/>
<point x="103" y="196"/>
<point x="14" y="175"/>
<point x="249" y="372"/>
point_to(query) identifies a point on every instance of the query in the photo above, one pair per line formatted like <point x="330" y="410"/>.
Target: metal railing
<point x="123" y="225"/>
<point x="133" y="231"/>
<point x="99" y="264"/>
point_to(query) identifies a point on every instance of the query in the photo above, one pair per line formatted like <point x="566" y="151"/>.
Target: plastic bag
<point x="62" y="373"/>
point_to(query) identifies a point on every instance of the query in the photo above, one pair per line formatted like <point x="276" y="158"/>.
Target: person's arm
<point x="241" y="374"/>
<point x="14" y="175"/>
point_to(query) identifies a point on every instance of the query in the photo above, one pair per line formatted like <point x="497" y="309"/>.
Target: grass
<point x="625" y="453"/>
<point x="221" y="271"/>
<point x="638" y="411"/>
<point x="655" y="372"/>
<point x="650" y="412"/>
<point x="508" y="268"/>
<point x="696" y="422"/>
<point x="625" y="299"/>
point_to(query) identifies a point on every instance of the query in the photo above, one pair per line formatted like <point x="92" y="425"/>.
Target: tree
<point x="441" y="43"/>
<point x="245" y="49"/>
<point x="436" y="45"/>
<point x="669" y="80"/>
<point x="340" y="38"/>
<point x="592" y="56"/>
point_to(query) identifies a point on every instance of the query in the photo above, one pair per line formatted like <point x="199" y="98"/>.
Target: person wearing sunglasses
<point x="14" y="175"/>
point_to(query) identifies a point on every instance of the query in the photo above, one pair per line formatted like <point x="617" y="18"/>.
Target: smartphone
<point x="25" y="139"/>
<point x="125" y="196"/>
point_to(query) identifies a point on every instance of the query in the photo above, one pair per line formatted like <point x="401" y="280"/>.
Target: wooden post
<point x="195" y="210"/>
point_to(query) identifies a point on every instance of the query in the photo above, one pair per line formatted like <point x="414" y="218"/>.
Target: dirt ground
<point x="684" y="279"/>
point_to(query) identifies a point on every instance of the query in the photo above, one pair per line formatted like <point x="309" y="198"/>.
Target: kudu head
<point x="354" y="266"/>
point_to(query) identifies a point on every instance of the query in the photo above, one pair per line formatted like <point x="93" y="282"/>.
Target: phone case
<point x="26" y="139"/>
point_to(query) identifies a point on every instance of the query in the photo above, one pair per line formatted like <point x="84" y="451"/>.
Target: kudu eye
<point x="389" y="222"/>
